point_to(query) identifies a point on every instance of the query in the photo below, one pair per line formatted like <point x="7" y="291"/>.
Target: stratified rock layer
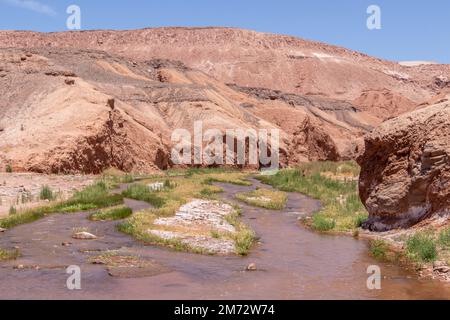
<point x="405" y="174"/>
<point x="70" y="111"/>
<point x="85" y="101"/>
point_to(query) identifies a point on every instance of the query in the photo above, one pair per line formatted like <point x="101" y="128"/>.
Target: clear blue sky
<point x="411" y="30"/>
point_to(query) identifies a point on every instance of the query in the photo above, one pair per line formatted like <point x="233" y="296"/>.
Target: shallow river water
<point x="293" y="263"/>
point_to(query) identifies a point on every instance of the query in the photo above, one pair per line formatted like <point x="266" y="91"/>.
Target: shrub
<point x="421" y="247"/>
<point x="9" y="168"/>
<point x="444" y="237"/>
<point x="12" y="210"/>
<point x="46" y="193"/>
<point x="168" y="185"/>
<point x="379" y="249"/>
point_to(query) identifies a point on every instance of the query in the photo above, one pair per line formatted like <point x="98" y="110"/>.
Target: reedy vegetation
<point x="264" y="198"/>
<point x="334" y="185"/>
<point x="193" y="184"/>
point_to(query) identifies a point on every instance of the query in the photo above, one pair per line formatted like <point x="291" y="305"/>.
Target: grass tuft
<point x="118" y="213"/>
<point x="322" y="223"/>
<point x="444" y="238"/>
<point x="143" y="193"/>
<point x="421" y="247"/>
<point x="342" y="208"/>
<point x="46" y="193"/>
<point x="379" y="249"/>
<point x="264" y="198"/>
<point x="6" y="255"/>
<point x="95" y="196"/>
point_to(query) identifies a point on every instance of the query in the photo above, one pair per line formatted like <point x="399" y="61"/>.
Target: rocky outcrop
<point x="405" y="175"/>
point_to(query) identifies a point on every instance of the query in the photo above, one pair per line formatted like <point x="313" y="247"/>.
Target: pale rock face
<point x="405" y="175"/>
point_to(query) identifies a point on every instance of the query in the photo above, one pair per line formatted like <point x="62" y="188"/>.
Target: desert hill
<point x="84" y="101"/>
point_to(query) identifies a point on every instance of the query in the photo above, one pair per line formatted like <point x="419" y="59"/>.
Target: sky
<point x="410" y="30"/>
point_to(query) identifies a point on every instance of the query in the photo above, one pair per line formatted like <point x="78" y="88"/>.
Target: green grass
<point x="322" y="223"/>
<point x="143" y="193"/>
<point x="46" y="193"/>
<point x="379" y="249"/>
<point x="264" y="198"/>
<point x="216" y="234"/>
<point x="114" y="177"/>
<point x="6" y="255"/>
<point x="185" y="186"/>
<point x="345" y="168"/>
<point x="244" y="237"/>
<point x="92" y="197"/>
<point x="12" y="210"/>
<point x="133" y="227"/>
<point x="118" y="213"/>
<point x="210" y="192"/>
<point x="339" y="197"/>
<point x="202" y="171"/>
<point x="421" y="247"/>
<point x="444" y="238"/>
<point x="169" y="185"/>
<point x="225" y="179"/>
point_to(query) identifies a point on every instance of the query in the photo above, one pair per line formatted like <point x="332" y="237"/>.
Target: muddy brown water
<point x="293" y="263"/>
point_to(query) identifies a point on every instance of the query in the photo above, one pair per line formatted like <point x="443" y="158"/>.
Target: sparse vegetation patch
<point x="6" y="255"/>
<point x="342" y="208"/>
<point x="117" y="213"/>
<point x="264" y="198"/>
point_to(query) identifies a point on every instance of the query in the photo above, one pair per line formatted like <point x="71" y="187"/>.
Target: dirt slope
<point x="56" y="91"/>
<point x="250" y="58"/>
<point x="64" y="110"/>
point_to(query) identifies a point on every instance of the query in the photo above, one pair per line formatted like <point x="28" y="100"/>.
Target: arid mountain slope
<point x="65" y="110"/>
<point x="116" y="98"/>
<point x="248" y="58"/>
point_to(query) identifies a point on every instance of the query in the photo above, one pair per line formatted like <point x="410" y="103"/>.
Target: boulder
<point x="405" y="169"/>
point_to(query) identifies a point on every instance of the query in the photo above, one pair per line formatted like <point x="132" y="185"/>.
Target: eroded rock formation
<point x="405" y="174"/>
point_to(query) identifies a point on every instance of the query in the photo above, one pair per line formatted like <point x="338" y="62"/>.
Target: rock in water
<point x="84" y="236"/>
<point x="405" y="169"/>
<point x="252" y="267"/>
